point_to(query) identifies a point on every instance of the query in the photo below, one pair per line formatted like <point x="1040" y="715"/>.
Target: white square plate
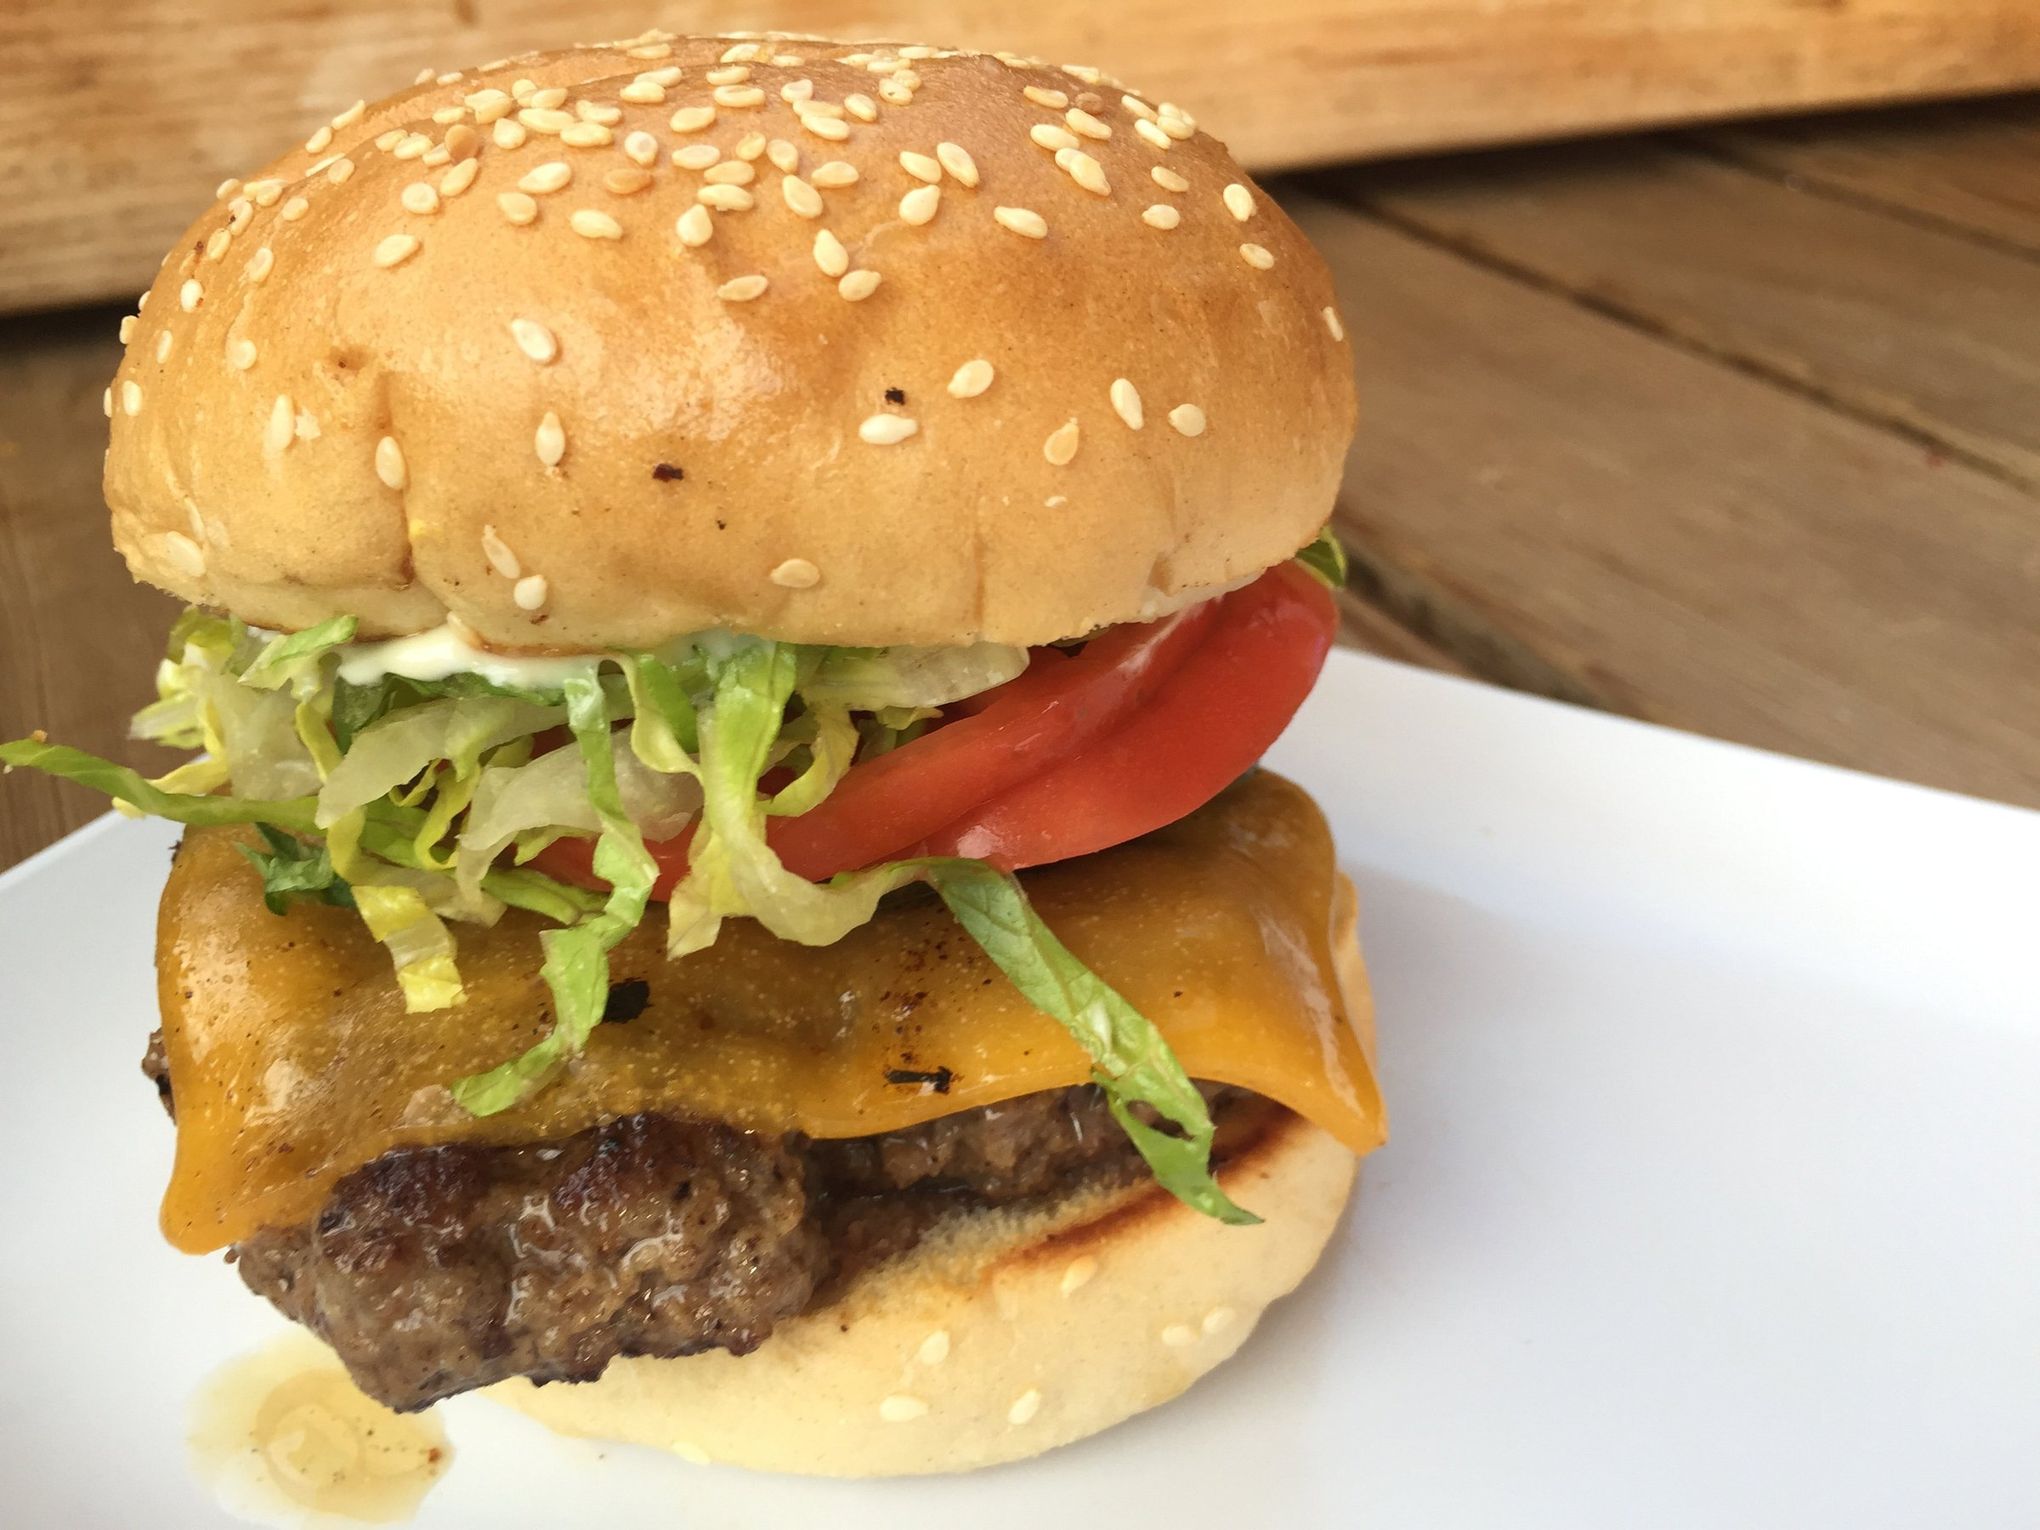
<point x="1713" y="1199"/>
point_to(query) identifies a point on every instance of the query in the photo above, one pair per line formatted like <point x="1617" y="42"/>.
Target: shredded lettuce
<point x="125" y="785"/>
<point x="1326" y="557"/>
<point x="417" y="939"/>
<point x="292" y="868"/>
<point x="869" y="679"/>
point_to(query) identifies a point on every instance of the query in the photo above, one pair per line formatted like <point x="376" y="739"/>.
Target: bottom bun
<point x="1000" y="1335"/>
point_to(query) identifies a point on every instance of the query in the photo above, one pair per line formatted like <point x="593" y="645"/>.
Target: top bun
<point x="826" y="342"/>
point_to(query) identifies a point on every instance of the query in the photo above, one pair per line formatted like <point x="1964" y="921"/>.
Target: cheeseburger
<point x="736" y="588"/>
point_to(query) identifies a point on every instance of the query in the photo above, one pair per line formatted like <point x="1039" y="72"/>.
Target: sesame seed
<point x="725" y="198"/>
<point x="832" y="128"/>
<point x="1083" y="122"/>
<point x="127" y="329"/>
<point x="1041" y="95"/>
<point x="395" y="250"/>
<point x="1168" y="179"/>
<point x="1126" y="403"/>
<point x="958" y="163"/>
<point x="1021" y="221"/>
<point x="934" y="1349"/>
<point x="1084" y="72"/>
<point x="862" y="107"/>
<point x="796" y="574"/>
<point x="830" y="255"/>
<point x="340" y="171"/>
<point x="265" y="193"/>
<point x="164" y="340"/>
<point x="738" y="95"/>
<point x="733" y="75"/>
<point x="451" y="77"/>
<point x="643" y="93"/>
<point x="834" y="174"/>
<point x="459" y="178"/>
<point x="1179" y="1336"/>
<point x="801" y="197"/>
<point x="183" y="554"/>
<point x="106" y="403"/>
<point x="546" y="178"/>
<point x="259" y="265"/>
<point x="489" y="106"/>
<point x="626" y="180"/>
<point x="423" y="76"/>
<point x="411" y="146"/>
<point x="497" y="551"/>
<point x="1188" y="419"/>
<point x="895" y="94"/>
<point x="590" y="224"/>
<point x="318" y="142"/>
<point x="691" y="119"/>
<point x="1257" y="257"/>
<point x="446" y="116"/>
<point x="1161" y="215"/>
<point x="1218" y="1318"/>
<point x="900" y="1408"/>
<point x="517" y="207"/>
<point x="858" y="285"/>
<point x="389" y="463"/>
<point x="306" y="426"/>
<point x="241" y="353"/>
<point x="190" y="295"/>
<point x="1051" y="137"/>
<point x="696" y="156"/>
<point x="388" y="141"/>
<point x="294" y="209"/>
<point x="226" y="188"/>
<point x="1025" y="1406"/>
<point x="1137" y="106"/>
<point x="550" y="440"/>
<point x="535" y="340"/>
<point x="742" y="289"/>
<point x="1239" y="201"/>
<point x="797" y="90"/>
<point x="548" y="120"/>
<point x="887" y="429"/>
<point x="1152" y="132"/>
<point x="695" y="227"/>
<point x="784" y="156"/>
<point x="642" y="148"/>
<point x="1176" y="124"/>
<point x="653" y="51"/>
<point x="587" y="135"/>
<point x="530" y="592"/>
<point x="240" y="211"/>
<point x="1055" y="501"/>
<point x="590" y="111"/>
<point x="750" y="146"/>
<point x="282" y="427"/>
<point x="432" y="159"/>
<point x="1338" y="330"/>
<point x="922" y="167"/>
<point x="1061" y="446"/>
<point x="667" y="75"/>
<point x="740" y="53"/>
<point x="918" y="206"/>
<point x="216" y="246"/>
<point x="1084" y="170"/>
<point x="130" y="398"/>
<point x="732" y="172"/>
<point x="508" y="134"/>
<point x="418" y="197"/>
<point x="971" y="379"/>
<point x="1079" y="1272"/>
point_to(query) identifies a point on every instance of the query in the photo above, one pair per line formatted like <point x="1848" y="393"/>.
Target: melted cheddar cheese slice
<point x="293" y="1061"/>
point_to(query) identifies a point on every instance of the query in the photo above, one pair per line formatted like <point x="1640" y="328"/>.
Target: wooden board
<point x="119" y="119"/>
<point x="78" y="638"/>
<point x="1885" y="318"/>
<point x="1972" y="168"/>
<point x="1575" y="506"/>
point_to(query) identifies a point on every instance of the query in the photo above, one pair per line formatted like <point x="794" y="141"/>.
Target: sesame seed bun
<point x="1002" y="1337"/>
<point x="828" y="342"/>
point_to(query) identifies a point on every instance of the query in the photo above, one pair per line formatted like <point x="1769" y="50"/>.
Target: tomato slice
<point x="1207" y="723"/>
<point x="1146" y="723"/>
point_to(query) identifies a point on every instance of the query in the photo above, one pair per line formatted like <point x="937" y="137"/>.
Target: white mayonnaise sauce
<point x="447" y="650"/>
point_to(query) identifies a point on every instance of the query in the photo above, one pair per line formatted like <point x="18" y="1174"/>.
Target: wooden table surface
<point x="1734" y="430"/>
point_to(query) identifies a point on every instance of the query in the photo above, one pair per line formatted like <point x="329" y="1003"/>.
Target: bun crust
<point x="1002" y="1336"/>
<point x="482" y="349"/>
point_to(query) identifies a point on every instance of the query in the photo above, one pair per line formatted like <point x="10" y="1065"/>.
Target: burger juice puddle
<point x="281" y="1436"/>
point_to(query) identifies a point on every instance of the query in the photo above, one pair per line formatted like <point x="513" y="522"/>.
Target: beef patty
<point x="433" y="1270"/>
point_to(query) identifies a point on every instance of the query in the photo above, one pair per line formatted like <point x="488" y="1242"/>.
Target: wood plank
<point x="120" y="118"/>
<point x="1973" y="167"/>
<point x="1886" y="318"/>
<point x="1547" y="491"/>
<point x="78" y="638"/>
